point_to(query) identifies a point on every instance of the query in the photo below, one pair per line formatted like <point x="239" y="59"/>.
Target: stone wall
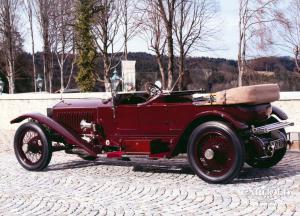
<point x="12" y="106"/>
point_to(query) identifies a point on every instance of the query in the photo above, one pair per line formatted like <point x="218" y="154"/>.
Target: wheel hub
<point x="209" y="154"/>
<point x="33" y="145"/>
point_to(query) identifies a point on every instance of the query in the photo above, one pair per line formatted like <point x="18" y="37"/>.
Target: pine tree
<point x="86" y="46"/>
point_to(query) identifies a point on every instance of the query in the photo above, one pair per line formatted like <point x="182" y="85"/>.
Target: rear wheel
<point x="32" y="148"/>
<point x="257" y="162"/>
<point x="215" y="152"/>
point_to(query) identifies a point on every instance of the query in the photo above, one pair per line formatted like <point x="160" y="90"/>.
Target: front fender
<point x="68" y="135"/>
<point x="279" y="113"/>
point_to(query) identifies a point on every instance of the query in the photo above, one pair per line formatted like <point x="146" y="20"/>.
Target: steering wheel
<point x="152" y="89"/>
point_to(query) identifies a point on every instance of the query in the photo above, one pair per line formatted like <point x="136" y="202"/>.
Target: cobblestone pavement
<point x="71" y="186"/>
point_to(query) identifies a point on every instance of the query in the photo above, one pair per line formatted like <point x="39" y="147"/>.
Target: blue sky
<point x="226" y="42"/>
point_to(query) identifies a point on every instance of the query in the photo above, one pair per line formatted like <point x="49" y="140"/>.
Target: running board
<point x="271" y="127"/>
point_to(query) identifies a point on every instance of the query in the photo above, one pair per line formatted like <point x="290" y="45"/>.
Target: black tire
<point x="266" y="163"/>
<point x="32" y="136"/>
<point x="228" y="152"/>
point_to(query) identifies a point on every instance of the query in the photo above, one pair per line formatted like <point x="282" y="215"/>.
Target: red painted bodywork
<point x="69" y="135"/>
<point x="137" y="126"/>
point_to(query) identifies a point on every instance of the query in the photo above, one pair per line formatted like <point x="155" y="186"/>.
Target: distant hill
<point x="202" y="72"/>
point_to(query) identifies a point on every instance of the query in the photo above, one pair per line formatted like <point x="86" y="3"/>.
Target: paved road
<point x="71" y="186"/>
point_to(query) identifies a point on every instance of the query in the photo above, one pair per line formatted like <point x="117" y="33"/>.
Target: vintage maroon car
<point x="217" y="136"/>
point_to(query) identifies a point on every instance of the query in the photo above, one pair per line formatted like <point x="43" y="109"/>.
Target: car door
<point x="126" y="119"/>
<point x="153" y="118"/>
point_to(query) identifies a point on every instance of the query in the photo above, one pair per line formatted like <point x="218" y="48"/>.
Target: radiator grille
<point x="72" y="119"/>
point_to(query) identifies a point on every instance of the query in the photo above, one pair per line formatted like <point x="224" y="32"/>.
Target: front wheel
<point x="32" y="148"/>
<point x="215" y="152"/>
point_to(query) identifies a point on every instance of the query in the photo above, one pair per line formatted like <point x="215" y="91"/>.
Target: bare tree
<point x="129" y="22"/>
<point x="64" y="33"/>
<point x="291" y="31"/>
<point x="193" y="27"/>
<point x="105" y="31"/>
<point x="254" y="19"/>
<point x="9" y="38"/>
<point x="28" y="4"/>
<point x="154" y="34"/>
<point x="166" y="10"/>
<point x="74" y="54"/>
<point x="44" y="12"/>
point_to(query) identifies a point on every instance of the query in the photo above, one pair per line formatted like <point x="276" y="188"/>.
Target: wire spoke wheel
<point x="32" y="147"/>
<point x="215" y="152"/>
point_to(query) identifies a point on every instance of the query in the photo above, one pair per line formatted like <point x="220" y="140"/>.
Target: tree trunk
<point x="126" y="49"/>
<point x="106" y="72"/>
<point x="241" y="38"/>
<point x="126" y="30"/>
<point x="11" y="77"/>
<point x="62" y="74"/>
<point x="32" y="48"/>
<point x="51" y="73"/>
<point x="241" y="52"/>
<point x="161" y="69"/>
<point x="33" y="63"/>
<point x="297" y="58"/>
<point x="170" y="58"/>
<point x="240" y="65"/>
<point x="45" y="70"/>
<point x="106" y="62"/>
<point x="297" y="63"/>
<point x="241" y="72"/>
<point x="181" y="69"/>
<point x="71" y="72"/>
<point x="168" y="18"/>
<point x="10" y="47"/>
<point x="45" y="27"/>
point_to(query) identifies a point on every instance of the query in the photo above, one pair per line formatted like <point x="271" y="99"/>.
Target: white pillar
<point x="128" y="76"/>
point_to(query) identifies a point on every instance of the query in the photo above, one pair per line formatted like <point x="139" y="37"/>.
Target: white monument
<point x="128" y="75"/>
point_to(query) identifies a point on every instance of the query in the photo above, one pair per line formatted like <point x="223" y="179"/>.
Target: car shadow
<point x="180" y="166"/>
<point x="150" y="166"/>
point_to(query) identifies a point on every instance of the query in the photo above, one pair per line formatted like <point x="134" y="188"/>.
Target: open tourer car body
<point x="218" y="132"/>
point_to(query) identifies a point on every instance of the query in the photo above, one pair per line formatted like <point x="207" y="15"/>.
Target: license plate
<point x="278" y="144"/>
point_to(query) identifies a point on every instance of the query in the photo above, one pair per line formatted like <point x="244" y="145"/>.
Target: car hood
<point x="83" y="103"/>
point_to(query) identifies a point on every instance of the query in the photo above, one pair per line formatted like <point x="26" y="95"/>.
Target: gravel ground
<point x="71" y="186"/>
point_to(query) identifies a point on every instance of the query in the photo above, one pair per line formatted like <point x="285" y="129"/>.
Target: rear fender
<point x="200" y="119"/>
<point x="59" y="129"/>
<point x="222" y="116"/>
<point x="279" y="113"/>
